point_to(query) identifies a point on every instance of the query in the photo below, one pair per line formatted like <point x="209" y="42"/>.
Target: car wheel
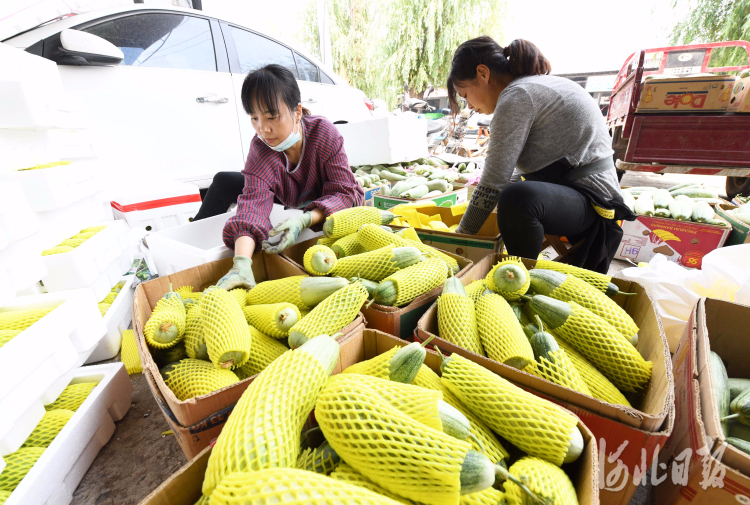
<point x="737" y="186"/>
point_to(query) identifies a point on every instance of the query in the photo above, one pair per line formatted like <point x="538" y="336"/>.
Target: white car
<point x="172" y="109"/>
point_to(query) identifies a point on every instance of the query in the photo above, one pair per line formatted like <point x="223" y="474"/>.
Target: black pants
<point x="222" y="193"/>
<point x="528" y="210"/>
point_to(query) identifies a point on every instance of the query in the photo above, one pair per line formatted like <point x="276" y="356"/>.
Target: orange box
<point x="710" y="93"/>
<point x="740" y="99"/>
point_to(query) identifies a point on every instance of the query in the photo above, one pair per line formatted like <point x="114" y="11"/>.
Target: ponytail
<point x="520" y="58"/>
<point x="306" y="112"/>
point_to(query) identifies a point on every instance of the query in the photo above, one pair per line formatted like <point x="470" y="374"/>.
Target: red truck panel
<point x="699" y="139"/>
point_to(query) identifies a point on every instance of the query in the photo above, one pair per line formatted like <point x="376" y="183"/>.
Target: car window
<point x="255" y="51"/>
<point x="325" y="79"/>
<point x="161" y="40"/>
<point x="308" y="71"/>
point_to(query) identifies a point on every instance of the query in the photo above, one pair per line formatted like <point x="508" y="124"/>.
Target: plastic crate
<point x="34" y="364"/>
<point x="56" y="187"/>
<point x="162" y="205"/>
<point x="116" y="319"/>
<point x="56" y="475"/>
<point x="83" y="266"/>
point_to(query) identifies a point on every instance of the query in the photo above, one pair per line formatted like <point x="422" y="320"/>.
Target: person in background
<point x="295" y="157"/>
<point x="553" y="133"/>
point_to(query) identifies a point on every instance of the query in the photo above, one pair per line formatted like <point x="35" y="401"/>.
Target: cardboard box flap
<point x="649" y="411"/>
<point x="184" y="487"/>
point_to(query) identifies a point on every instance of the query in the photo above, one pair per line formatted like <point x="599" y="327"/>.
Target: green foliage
<point x="377" y="45"/>
<point x="715" y="21"/>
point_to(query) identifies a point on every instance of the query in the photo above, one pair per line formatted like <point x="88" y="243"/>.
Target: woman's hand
<point x="240" y="275"/>
<point x="290" y="230"/>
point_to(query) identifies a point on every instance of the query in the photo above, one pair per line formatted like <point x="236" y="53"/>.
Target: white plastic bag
<point x="725" y="275"/>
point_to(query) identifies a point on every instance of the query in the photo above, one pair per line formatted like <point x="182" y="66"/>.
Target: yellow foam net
<point x="225" y="330"/>
<point x="48" y="428"/>
<point x="373" y="237"/>
<point x="475" y="289"/>
<point x="292" y="487"/>
<point x="334" y="313"/>
<point x="542" y="478"/>
<point x="60" y="249"/>
<point x="319" y="252"/>
<point x="8" y="335"/>
<point x="240" y="295"/>
<point x="388" y="446"/>
<point x="457" y="322"/>
<point x="509" y="295"/>
<point x="346" y="473"/>
<point x="277" y="291"/>
<point x="17" y="465"/>
<point x="265" y="350"/>
<point x="560" y="371"/>
<point x="4" y="495"/>
<point x="500" y="332"/>
<point x="326" y="241"/>
<point x="418" y="279"/>
<point x="585" y="295"/>
<point x="169" y="313"/>
<point x="195" y="344"/>
<point x="373" y="265"/>
<point x="348" y="221"/>
<point x="72" y="396"/>
<point x="264" y="428"/>
<point x="347" y="246"/>
<point x="605" y="347"/>
<point x="488" y="442"/>
<point x="599" y="386"/>
<point x="22" y="319"/>
<point x="319" y="460"/>
<point x="268" y="318"/>
<point x="599" y="281"/>
<point x="534" y="425"/>
<point x="129" y="353"/>
<point x="379" y="366"/>
<point x="190" y="377"/>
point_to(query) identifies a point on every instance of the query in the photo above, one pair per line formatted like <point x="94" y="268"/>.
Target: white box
<point x="56" y="475"/>
<point x="200" y="242"/>
<point x="17" y="220"/>
<point x="25" y="149"/>
<point x="116" y="319"/>
<point x="56" y="187"/>
<point x="21" y="264"/>
<point x="33" y="363"/>
<point x="158" y="205"/>
<point x="392" y="139"/>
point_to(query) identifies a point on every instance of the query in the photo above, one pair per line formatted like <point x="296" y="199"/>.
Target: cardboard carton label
<point x="690" y="94"/>
<point x="445" y="200"/>
<point x="682" y="242"/>
<point x="370" y="194"/>
<point x="740" y="99"/>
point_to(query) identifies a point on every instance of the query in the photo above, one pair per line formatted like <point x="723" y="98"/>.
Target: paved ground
<point x="139" y="457"/>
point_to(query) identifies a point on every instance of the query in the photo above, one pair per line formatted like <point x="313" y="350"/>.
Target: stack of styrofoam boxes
<point x="160" y="205"/>
<point x="55" y="476"/>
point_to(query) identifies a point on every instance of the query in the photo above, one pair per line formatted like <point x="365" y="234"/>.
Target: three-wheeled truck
<point x="679" y="142"/>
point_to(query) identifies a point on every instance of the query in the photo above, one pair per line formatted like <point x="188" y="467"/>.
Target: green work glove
<point x="240" y="276"/>
<point x="289" y="230"/>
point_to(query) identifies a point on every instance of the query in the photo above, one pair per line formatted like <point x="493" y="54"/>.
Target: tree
<point x="715" y="21"/>
<point x="378" y="45"/>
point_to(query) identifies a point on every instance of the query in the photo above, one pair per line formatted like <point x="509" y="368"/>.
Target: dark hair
<point x="520" y="58"/>
<point x="268" y="86"/>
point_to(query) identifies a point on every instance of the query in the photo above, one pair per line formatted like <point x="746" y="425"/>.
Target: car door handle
<point x="309" y="100"/>
<point x="211" y="99"/>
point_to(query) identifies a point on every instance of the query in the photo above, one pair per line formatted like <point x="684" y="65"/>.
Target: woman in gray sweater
<point x="551" y="131"/>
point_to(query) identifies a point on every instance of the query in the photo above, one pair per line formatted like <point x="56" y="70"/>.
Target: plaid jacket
<point x="322" y="179"/>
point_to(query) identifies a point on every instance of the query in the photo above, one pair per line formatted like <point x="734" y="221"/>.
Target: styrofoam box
<point x="116" y="319"/>
<point x="25" y="149"/>
<point x="81" y="267"/>
<point x="17" y="220"/>
<point x="200" y="242"/>
<point x="34" y="364"/>
<point x="56" y="187"/>
<point x="21" y="264"/>
<point x="391" y="139"/>
<point x="73" y="143"/>
<point x="36" y="105"/>
<point x="60" y="224"/>
<point x="56" y="475"/>
<point x="157" y="206"/>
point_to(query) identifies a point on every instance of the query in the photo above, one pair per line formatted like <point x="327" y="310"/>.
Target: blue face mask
<point x="292" y="139"/>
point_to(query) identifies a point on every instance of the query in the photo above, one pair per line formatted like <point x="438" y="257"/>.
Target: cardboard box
<point x="197" y="421"/>
<point x="471" y="247"/>
<point x="449" y="199"/>
<point x="645" y="426"/>
<point x="740" y="99"/>
<point x="184" y="487"/>
<point x="398" y="321"/>
<point x="684" y="242"/>
<point x="710" y="470"/>
<point x="370" y="193"/>
<point x="386" y="140"/>
<point x="709" y="93"/>
<point x="740" y="233"/>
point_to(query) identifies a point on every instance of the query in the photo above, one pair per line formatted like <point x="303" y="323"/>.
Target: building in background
<point x="598" y="84"/>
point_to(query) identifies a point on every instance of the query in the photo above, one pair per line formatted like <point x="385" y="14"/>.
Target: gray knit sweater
<point x="539" y="120"/>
